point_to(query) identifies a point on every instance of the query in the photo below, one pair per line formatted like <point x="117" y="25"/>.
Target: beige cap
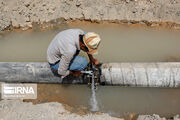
<point x="92" y="41"/>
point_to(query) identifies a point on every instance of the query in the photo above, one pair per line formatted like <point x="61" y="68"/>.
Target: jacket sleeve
<point x="64" y="63"/>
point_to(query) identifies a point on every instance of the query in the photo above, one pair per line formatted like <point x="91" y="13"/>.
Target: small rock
<point x="177" y="117"/>
<point x="150" y="117"/>
<point x="78" y="2"/>
<point x="127" y="1"/>
<point x="151" y="1"/>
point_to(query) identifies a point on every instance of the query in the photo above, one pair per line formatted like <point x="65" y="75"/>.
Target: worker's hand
<point x="75" y="73"/>
<point x="95" y="62"/>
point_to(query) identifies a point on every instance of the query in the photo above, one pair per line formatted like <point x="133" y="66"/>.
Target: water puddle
<point x="119" y="44"/>
<point x="115" y="100"/>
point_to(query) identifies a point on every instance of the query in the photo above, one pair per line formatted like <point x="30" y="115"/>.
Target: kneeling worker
<point x="64" y="48"/>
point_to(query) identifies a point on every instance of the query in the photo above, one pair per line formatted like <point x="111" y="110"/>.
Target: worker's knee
<point x="82" y="61"/>
<point x="79" y="63"/>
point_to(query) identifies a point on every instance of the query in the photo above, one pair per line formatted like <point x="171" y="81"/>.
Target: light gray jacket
<point x="63" y="47"/>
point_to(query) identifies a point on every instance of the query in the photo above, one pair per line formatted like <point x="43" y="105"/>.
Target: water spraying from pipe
<point x="91" y="74"/>
<point x="94" y="103"/>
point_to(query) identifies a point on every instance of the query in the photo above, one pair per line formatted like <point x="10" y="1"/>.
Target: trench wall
<point x="25" y="13"/>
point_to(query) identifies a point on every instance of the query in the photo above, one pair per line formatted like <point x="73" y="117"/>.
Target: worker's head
<point x="90" y="42"/>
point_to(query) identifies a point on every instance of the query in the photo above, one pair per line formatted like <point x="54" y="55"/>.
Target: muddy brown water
<point x="115" y="100"/>
<point x="119" y="44"/>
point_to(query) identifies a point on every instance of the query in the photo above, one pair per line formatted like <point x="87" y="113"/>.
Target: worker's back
<point x="63" y="43"/>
